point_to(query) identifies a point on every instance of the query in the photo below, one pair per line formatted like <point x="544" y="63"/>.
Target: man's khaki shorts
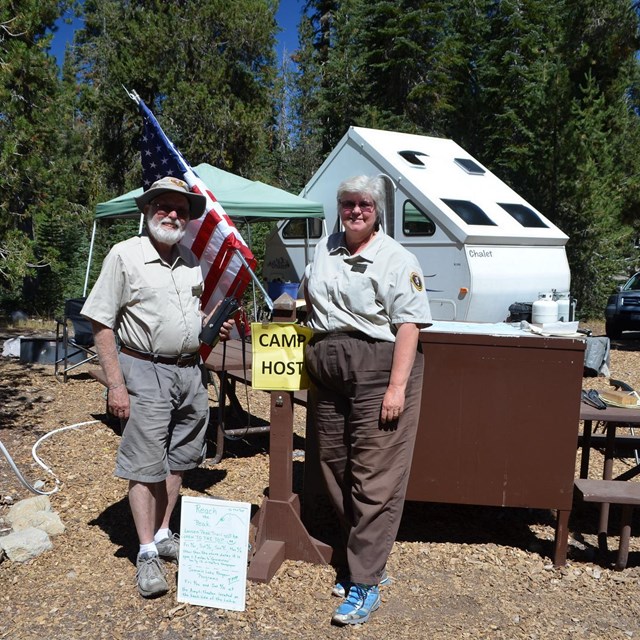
<point x="169" y="413"/>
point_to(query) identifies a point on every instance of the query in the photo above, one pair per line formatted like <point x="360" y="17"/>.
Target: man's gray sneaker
<point x="151" y="576"/>
<point x="169" y="548"/>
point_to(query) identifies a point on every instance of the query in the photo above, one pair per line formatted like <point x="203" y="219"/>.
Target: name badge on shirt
<point x="360" y="267"/>
<point x="197" y="290"/>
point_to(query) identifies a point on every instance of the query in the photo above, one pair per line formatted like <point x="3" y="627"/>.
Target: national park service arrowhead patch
<point x="416" y="281"/>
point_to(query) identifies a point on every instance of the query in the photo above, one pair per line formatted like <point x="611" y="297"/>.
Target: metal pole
<point x="136" y="98"/>
<point x="86" y="277"/>
<point x="267" y="299"/>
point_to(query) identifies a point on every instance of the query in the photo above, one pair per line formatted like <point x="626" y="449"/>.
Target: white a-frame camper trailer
<point x="481" y="246"/>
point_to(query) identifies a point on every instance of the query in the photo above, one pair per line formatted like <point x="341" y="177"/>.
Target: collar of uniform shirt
<point x="151" y="254"/>
<point x="368" y="253"/>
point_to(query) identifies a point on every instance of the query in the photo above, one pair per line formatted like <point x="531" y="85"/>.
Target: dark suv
<point x="623" y="309"/>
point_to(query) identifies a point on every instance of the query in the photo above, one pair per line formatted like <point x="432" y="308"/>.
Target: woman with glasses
<point x="366" y="303"/>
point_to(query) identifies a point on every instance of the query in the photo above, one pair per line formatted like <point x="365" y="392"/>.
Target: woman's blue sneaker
<point x="360" y="603"/>
<point x="341" y="588"/>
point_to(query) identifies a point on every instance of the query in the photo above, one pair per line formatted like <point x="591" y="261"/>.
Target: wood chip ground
<point x="458" y="571"/>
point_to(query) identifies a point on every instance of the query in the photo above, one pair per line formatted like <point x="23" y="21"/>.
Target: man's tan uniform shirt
<point x="152" y="306"/>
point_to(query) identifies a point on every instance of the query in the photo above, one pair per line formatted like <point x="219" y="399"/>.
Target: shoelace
<point x="174" y="537"/>
<point x="145" y="565"/>
<point x="358" y="593"/>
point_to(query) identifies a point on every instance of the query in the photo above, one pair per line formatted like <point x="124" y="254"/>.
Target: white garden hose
<point x="24" y="482"/>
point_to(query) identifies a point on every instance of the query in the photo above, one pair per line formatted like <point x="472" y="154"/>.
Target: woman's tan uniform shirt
<point x="371" y="291"/>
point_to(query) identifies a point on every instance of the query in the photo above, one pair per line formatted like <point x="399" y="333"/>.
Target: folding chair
<point x="77" y="348"/>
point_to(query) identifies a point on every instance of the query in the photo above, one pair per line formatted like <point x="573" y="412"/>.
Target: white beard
<point x="164" y="235"/>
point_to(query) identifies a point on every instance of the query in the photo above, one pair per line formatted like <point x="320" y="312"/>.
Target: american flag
<point x="213" y="237"/>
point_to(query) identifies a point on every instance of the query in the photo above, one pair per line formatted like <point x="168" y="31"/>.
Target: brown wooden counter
<point x="499" y="423"/>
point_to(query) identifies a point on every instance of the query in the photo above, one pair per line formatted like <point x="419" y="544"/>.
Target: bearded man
<point x="147" y="301"/>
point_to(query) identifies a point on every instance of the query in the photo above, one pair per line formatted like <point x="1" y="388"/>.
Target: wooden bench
<point x="299" y="397"/>
<point x="231" y="395"/>
<point x="626" y="494"/>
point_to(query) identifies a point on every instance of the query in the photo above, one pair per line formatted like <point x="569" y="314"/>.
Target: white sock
<point x="148" y="548"/>
<point x="162" y="534"/>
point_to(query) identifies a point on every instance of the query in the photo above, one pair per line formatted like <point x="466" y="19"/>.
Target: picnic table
<point x="231" y="362"/>
<point x="604" y="491"/>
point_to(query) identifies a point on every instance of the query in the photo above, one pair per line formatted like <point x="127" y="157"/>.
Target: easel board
<point x="214" y="545"/>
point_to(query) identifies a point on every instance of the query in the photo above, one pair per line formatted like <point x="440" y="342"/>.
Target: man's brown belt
<point x="187" y="360"/>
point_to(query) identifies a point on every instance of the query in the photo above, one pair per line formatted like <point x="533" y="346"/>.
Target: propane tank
<point x="545" y="309"/>
<point x="564" y="306"/>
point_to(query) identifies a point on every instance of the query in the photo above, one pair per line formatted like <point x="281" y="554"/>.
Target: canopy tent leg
<point x="86" y="277"/>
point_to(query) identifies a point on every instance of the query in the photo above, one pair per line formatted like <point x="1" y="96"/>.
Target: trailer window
<point x="525" y="216"/>
<point x="470" y="166"/>
<point x="415" y="222"/>
<point x="302" y="228"/>
<point x="389" y="208"/>
<point x="469" y="212"/>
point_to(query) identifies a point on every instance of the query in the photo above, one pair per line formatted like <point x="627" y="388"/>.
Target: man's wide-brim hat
<point x="169" y="184"/>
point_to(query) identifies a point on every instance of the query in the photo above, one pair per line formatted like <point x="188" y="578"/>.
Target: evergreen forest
<point x="546" y="93"/>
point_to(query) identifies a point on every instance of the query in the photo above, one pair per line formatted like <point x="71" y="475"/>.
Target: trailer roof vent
<point x="525" y="216"/>
<point x="413" y="157"/>
<point x="469" y="212"/>
<point x="470" y="166"/>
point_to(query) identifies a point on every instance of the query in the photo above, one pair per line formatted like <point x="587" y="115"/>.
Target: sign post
<point x="280" y="534"/>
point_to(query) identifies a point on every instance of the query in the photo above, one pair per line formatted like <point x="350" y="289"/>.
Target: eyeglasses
<point x="363" y="205"/>
<point x="181" y="212"/>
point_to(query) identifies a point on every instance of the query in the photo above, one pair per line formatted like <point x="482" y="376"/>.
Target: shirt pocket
<point x="150" y="302"/>
<point x="358" y="292"/>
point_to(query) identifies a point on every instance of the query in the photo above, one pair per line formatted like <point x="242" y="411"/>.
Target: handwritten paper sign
<point x="214" y="540"/>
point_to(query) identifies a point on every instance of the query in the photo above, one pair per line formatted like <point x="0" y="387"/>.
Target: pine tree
<point x="39" y="190"/>
<point x="204" y="67"/>
<point x="543" y="93"/>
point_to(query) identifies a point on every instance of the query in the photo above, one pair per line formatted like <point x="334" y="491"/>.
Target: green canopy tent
<point x="242" y="199"/>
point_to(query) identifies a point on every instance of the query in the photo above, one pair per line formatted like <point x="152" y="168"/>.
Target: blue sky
<point x="287" y="16"/>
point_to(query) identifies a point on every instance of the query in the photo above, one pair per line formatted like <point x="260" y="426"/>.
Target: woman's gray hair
<point x="372" y="186"/>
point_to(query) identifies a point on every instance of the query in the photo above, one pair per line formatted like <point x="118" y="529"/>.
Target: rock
<point x="5" y="527"/>
<point x="48" y="521"/>
<point x="32" y="522"/>
<point x="24" y="545"/>
<point x="28" y="506"/>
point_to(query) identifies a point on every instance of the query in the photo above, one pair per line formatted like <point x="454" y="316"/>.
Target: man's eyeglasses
<point x="350" y="205"/>
<point x="182" y="212"/>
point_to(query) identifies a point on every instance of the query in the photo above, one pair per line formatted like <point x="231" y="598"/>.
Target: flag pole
<point x="255" y="278"/>
<point x="132" y="94"/>
<point x="136" y="98"/>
